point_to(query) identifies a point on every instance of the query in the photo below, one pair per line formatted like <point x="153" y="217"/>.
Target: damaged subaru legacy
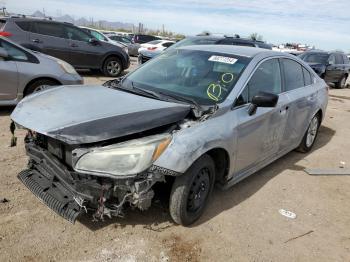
<point x="193" y="117"/>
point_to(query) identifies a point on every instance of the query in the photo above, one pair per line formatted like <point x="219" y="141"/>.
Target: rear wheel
<point x="112" y="67"/>
<point x="310" y="135"/>
<point x="39" y="85"/>
<point x="342" y="83"/>
<point x="191" y="191"/>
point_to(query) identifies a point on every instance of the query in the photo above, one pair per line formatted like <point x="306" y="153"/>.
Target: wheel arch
<point x="221" y="160"/>
<point x="39" y="79"/>
<point x="109" y="55"/>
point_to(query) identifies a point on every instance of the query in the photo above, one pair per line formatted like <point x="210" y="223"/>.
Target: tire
<point x="39" y="85"/>
<point x="190" y="192"/>
<point x="311" y="133"/>
<point x="112" y="67"/>
<point x="342" y="83"/>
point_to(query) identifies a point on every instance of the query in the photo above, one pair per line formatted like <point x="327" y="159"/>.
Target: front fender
<point x="189" y="144"/>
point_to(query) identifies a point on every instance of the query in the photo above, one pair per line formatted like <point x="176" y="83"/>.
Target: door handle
<point x="36" y="41"/>
<point x="73" y="45"/>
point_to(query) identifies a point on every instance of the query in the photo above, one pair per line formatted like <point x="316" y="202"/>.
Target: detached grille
<point x="51" y="193"/>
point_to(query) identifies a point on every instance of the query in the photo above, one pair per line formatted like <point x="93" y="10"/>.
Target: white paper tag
<point x="223" y="59"/>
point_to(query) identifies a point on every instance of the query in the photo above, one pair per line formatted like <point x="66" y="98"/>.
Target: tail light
<point x="5" y="34"/>
<point x="152" y="48"/>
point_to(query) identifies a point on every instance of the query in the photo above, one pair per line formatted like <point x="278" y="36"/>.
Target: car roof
<point x="323" y="52"/>
<point x="232" y="50"/>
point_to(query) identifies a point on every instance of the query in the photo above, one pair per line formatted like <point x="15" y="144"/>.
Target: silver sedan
<point x="193" y="117"/>
<point x="23" y="72"/>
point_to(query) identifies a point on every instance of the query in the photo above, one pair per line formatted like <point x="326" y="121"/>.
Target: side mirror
<point x="93" y="41"/>
<point x="3" y="53"/>
<point x="262" y="99"/>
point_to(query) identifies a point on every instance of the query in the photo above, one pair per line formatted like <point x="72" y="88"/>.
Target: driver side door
<point x="259" y="135"/>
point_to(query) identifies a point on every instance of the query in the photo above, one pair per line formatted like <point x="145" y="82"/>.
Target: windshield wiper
<point x="183" y="99"/>
<point x="146" y="92"/>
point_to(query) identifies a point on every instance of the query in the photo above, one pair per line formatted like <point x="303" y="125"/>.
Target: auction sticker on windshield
<point x="222" y="59"/>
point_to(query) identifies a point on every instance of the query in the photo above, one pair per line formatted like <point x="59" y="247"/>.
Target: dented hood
<point x="88" y="114"/>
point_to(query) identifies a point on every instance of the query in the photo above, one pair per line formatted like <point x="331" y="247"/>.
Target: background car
<point x="149" y="50"/>
<point x="333" y="67"/>
<point x="99" y="35"/>
<point x="220" y="40"/>
<point x="137" y="40"/>
<point x="67" y="42"/>
<point x="23" y="72"/>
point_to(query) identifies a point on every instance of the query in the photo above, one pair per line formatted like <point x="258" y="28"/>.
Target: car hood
<point x="88" y="114"/>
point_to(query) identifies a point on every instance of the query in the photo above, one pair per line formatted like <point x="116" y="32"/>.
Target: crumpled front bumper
<point x="51" y="193"/>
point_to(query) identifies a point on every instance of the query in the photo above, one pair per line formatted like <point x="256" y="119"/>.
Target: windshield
<point x="205" y="77"/>
<point x="315" y="58"/>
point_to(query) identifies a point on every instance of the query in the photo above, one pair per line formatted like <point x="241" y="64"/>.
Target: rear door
<point x="334" y="70"/>
<point x="83" y="53"/>
<point x="259" y="135"/>
<point x="8" y="71"/>
<point x="48" y="38"/>
<point x="302" y="94"/>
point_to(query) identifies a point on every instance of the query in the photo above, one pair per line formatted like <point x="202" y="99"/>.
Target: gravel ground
<point x="240" y="224"/>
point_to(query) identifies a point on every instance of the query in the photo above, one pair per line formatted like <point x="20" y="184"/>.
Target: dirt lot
<point x="241" y="224"/>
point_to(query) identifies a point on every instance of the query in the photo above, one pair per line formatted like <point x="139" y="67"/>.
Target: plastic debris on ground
<point x="287" y="213"/>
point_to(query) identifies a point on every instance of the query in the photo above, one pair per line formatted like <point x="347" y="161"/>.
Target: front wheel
<point x="191" y="191"/>
<point x="112" y="67"/>
<point x="39" y="85"/>
<point x="310" y="135"/>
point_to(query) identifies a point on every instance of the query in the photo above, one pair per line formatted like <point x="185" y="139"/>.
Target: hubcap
<point x="113" y="68"/>
<point x="40" y="88"/>
<point x="311" y="132"/>
<point x="199" y="191"/>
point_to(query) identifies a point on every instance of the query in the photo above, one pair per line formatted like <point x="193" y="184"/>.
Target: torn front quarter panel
<point x="89" y="114"/>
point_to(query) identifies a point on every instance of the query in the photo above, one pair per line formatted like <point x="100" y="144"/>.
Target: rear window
<point x="293" y="72"/>
<point x="243" y="44"/>
<point x="23" y="25"/>
<point x="155" y="42"/>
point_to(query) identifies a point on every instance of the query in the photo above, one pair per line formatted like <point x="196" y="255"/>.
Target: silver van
<point x="192" y="117"/>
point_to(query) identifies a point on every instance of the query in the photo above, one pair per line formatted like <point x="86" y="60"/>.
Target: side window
<point x="331" y="60"/>
<point x="293" y="73"/>
<point x="50" y="29"/>
<point x="98" y="36"/>
<point x="14" y="52"/>
<point x="226" y="41"/>
<point x="73" y="33"/>
<point x="307" y="77"/>
<point x="346" y="59"/>
<point x="243" y="44"/>
<point x="339" y="59"/>
<point x="25" y="26"/>
<point x="167" y="44"/>
<point x="266" y="78"/>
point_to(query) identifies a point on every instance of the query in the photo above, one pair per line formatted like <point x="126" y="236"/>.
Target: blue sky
<point x="323" y="23"/>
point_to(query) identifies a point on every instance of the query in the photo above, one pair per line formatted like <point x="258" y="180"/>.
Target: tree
<point x="256" y="37"/>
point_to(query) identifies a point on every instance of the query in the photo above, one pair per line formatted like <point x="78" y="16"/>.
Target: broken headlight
<point x="126" y="158"/>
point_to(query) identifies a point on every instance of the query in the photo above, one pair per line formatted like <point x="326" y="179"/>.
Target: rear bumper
<point x="53" y="194"/>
